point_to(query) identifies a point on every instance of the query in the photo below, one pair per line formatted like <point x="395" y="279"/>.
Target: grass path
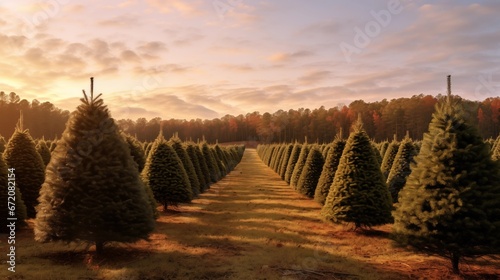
<point x="250" y="225"/>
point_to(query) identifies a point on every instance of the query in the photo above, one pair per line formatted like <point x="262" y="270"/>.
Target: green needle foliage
<point x="20" y="154"/>
<point x="92" y="191"/>
<point x="203" y="164"/>
<point x="44" y="151"/>
<point x="6" y="190"/>
<point x="166" y="176"/>
<point x="496" y="149"/>
<point x="358" y="194"/>
<point x="299" y="166"/>
<point x="294" y="156"/>
<point x="329" y="169"/>
<point x="191" y="151"/>
<point x="401" y="167"/>
<point x="311" y="173"/>
<point x="136" y="151"/>
<point x="450" y="204"/>
<point x="211" y="162"/>
<point x="389" y="156"/>
<point x="284" y="162"/>
<point x="176" y="143"/>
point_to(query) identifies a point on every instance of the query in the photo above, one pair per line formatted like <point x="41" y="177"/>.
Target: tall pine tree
<point x="312" y="171"/>
<point x="9" y="192"/>
<point x="20" y="154"/>
<point x="358" y="194"/>
<point x="401" y="167"/>
<point x="450" y="204"/>
<point x="92" y="191"/>
<point x="329" y="168"/>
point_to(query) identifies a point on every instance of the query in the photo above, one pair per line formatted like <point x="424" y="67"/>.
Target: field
<point x="250" y="225"/>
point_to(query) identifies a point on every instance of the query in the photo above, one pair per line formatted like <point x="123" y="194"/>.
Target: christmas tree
<point x="311" y="172"/>
<point x="389" y="156"/>
<point x="20" y="154"/>
<point x="165" y="175"/>
<point x="9" y="192"/>
<point x="284" y="162"/>
<point x="358" y="194"/>
<point x="299" y="166"/>
<point x="44" y="151"/>
<point x="450" y="204"/>
<point x="294" y="156"/>
<point x="176" y="143"/>
<point x="191" y="151"/>
<point x="401" y="167"/>
<point x="329" y="168"/>
<point x="136" y="151"/>
<point x="92" y="191"/>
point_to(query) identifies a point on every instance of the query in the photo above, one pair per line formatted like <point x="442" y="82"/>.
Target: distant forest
<point x="382" y="120"/>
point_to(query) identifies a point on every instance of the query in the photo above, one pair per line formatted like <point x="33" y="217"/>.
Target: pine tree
<point x="204" y="167"/>
<point x="401" y="167"/>
<point x="358" y="194"/>
<point x="165" y="175"/>
<point x="329" y="168"/>
<point x="294" y="156"/>
<point x="176" y="143"/>
<point x="299" y="166"/>
<point x="310" y="174"/>
<point x="389" y="156"/>
<point x="286" y="158"/>
<point x="92" y="191"/>
<point x="8" y="188"/>
<point x="450" y="204"/>
<point x="211" y="162"/>
<point x="2" y="144"/>
<point x="136" y="151"/>
<point x="191" y="151"/>
<point x="44" y="151"/>
<point x="20" y="154"/>
<point x="496" y="150"/>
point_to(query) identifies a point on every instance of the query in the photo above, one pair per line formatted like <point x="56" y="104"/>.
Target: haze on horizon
<point x="205" y="59"/>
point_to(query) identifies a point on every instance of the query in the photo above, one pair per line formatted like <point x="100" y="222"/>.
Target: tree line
<point x="382" y="120"/>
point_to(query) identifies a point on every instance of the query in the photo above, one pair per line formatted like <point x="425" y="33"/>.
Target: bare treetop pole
<point x="449" y="88"/>
<point x="91" y="88"/>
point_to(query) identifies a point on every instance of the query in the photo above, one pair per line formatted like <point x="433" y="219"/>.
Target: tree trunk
<point x="165" y="205"/>
<point x="455" y="259"/>
<point x="99" y="247"/>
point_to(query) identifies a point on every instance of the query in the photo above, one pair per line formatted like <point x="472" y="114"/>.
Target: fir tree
<point x="294" y="156"/>
<point x="211" y="162"/>
<point x="286" y="158"/>
<point x="9" y="192"/>
<point x="299" y="166"/>
<point x="44" y="151"/>
<point x="92" y="191"/>
<point x="389" y="156"/>
<point x="358" y="194"/>
<point x="450" y="204"/>
<point x="176" y="143"/>
<point x="166" y="176"/>
<point x="311" y="172"/>
<point x="496" y="150"/>
<point x="329" y="169"/>
<point x="401" y="167"/>
<point x="136" y="151"/>
<point x="205" y="171"/>
<point x="20" y="154"/>
<point x="191" y="151"/>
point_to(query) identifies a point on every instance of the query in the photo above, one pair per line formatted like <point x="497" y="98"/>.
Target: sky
<point x="209" y="58"/>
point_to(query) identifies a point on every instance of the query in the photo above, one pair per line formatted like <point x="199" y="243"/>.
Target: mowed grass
<point x="250" y="225"/>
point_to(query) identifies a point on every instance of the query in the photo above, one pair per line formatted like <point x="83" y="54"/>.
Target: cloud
<point x="286" y="57"/>
<point x="321" y="28"/>
<point x="314" y="77"/>
<point x="186" y="8"/>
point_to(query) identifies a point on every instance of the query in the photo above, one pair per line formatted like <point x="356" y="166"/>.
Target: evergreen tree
<point x="44" y="151"/>
<point x="2" y="144"/>
<point x="136" y="151"/>
<point x="294" y="156"/>
<point x="496" y="150"/>
<point x="20" y="154"/>
<point x="92" y="191"/>
<point x="211" y="162"/>
<point x="191" y="151"/>
<point x="401" y="167"/>
<point x="166" y="176"/>
<point x="450" y="204"/>
<point x="358" y="194"/>
<point x="8" y="188"/>
<point x="286" y="158"/>
<point x="383" y="148"/>
<point x="176" y="143"/>
<point x="299" y="166"/>
<point x="389" y="156"/>
<point x="312" y="171"/>
<point x="204" y="167"/>
<point x="329" y="169"/>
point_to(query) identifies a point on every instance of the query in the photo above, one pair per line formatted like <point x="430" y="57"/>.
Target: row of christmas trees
<point x="443" y="194"/>
<point x="98" y="185"/>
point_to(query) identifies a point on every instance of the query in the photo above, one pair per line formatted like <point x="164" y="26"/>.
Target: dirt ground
<point x="250" y="225"/>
